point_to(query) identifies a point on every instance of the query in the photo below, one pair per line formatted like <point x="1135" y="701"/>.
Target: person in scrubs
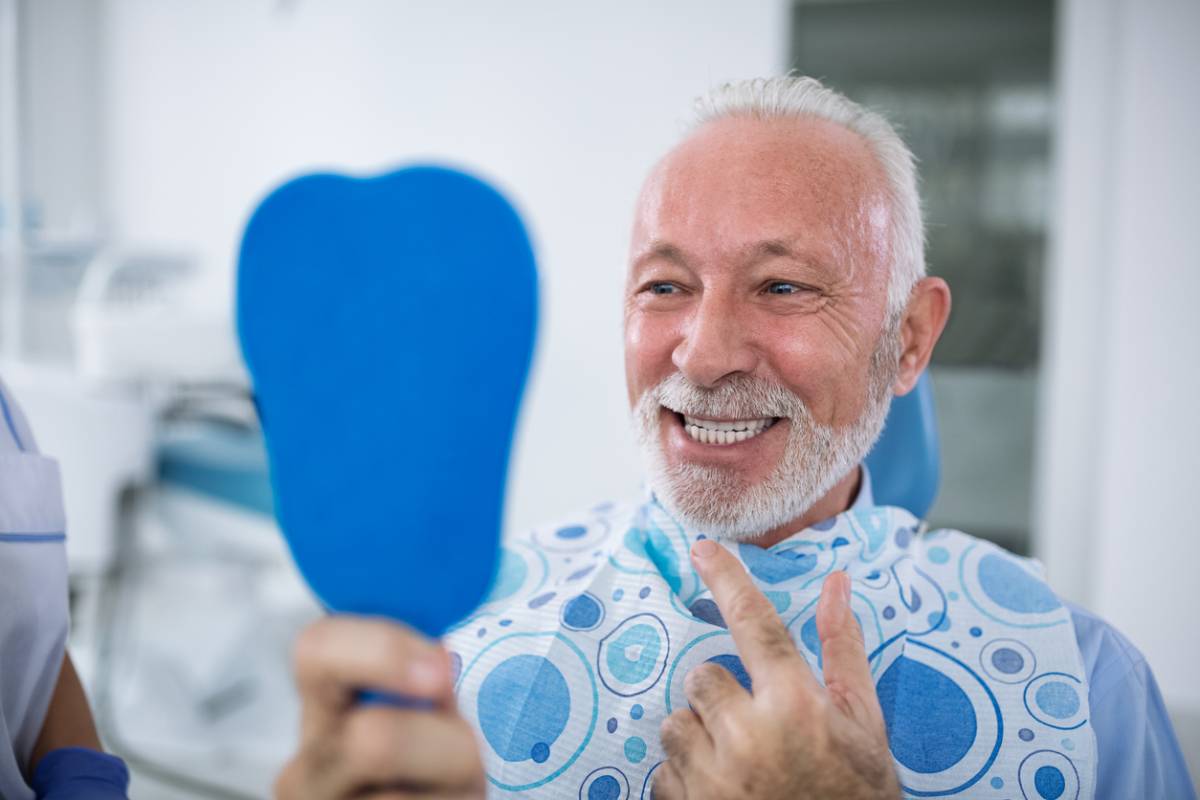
<point x="49" y="747"/>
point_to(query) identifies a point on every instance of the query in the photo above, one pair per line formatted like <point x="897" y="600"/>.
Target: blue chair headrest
<point x="905" y="463"/>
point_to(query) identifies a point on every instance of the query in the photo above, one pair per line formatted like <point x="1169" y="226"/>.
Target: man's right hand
<point x="373" y="750"/>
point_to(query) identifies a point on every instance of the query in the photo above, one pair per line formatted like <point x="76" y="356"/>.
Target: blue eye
<point x="780" y="287"/>
<point x="662" y="288"/>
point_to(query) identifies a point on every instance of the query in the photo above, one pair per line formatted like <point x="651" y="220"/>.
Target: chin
<point x="741" y="490"/>
<point x="722" y="505"/>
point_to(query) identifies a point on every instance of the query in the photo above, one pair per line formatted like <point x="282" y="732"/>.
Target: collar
<point x="866" y="495"/>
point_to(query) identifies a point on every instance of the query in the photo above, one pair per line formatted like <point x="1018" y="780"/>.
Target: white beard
<point x="723" y="504"/>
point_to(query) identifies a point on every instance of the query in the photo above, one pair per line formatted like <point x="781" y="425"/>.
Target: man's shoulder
<point x="1109" y="658"/>
<point x="934" y="544"/>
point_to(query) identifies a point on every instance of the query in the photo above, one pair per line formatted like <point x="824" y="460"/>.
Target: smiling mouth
<point x="723" y="432"/>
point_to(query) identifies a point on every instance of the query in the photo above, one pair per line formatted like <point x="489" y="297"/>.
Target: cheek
<point x="649" y="343"/>
<point x="830" y="381"/>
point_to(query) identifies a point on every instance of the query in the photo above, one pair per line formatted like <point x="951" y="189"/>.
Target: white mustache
<point x="738" y="397"/>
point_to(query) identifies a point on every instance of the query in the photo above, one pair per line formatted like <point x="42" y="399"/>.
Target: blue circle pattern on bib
<point x="602" y="617"/>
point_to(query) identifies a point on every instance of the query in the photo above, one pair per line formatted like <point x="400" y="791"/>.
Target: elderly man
<point x="756" y="627"/>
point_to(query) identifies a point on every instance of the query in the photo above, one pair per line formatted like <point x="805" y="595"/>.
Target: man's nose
<point x="715" y="345"/>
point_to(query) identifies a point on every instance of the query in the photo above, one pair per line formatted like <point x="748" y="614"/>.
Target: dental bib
<point x="571" y="665"/>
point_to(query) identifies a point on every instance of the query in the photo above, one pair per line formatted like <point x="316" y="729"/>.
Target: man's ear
<point x="922" y="325"/>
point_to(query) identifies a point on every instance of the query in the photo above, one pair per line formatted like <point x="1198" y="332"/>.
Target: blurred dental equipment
<point x="110" y="343"/>
<point x="184" y="599"/>
<point x="133" y="319"/>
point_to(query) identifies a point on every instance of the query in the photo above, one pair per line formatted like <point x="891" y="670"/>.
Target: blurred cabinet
<point x="969" y="85"/>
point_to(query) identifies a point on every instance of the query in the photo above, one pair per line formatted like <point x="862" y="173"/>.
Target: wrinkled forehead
<point x="735" y="182"/>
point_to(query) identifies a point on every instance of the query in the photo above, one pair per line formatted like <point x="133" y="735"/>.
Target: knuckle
<point x="849" y="633"/>
<point x="311" y="646"/>
<point x="747" y="604"/>
<point x="740" y="733"/>
<point x="371" y="745"/>
<point x="742" y="741"/>
<point x="792" y="703"/>
<point x="392" y="643"/>
<point x="818" y="713"/>
<point x="666" y="784"/>
<point x="701" y="680"/>
<point x="854" y="627"/>
<point x="668" y="733"/>
<point x="840" y="693"/>
<point x="288" y="781"/>
<point x="394" y="650"/>
<point x="467" y="763"/>
<point x="774" y="641"/>
<point x="315" y="758"/>
<point x="673" y="731"/>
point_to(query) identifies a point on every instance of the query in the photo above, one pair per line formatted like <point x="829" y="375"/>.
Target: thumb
<point x="843" y="651"/>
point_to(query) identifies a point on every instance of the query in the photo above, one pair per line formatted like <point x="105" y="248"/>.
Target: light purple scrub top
<point x="33" y="594"/>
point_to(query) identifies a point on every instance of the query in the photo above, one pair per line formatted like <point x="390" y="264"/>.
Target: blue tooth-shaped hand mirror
<point x="388" y="325"/>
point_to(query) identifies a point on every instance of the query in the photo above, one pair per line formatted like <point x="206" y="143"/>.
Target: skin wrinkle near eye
<point x="749" y="256"/>
<point x="752" y="255"/>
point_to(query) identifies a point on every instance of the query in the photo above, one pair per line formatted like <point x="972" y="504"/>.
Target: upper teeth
<point x="709" y="431"/>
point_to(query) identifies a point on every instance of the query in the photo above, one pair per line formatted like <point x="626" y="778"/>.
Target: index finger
<point x="340" y="655"/>
<point x="762" y="639"/>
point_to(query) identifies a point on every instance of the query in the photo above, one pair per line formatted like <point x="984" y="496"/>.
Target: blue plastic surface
<point x="388" y="324"/>
<point x="78" y="773"/>
<point x="905" y="463"/>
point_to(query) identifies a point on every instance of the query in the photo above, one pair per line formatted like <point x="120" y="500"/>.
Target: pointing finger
<point x="761" y="637"/>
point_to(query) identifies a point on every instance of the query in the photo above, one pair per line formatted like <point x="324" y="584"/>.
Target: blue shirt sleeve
<point x="1137" y="752"/>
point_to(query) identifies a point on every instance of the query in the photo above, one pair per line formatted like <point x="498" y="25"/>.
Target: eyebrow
<point x="768" y="248"/>
<point x="781" y="248"/>
<point x="773" y="247"/>
<point x="660" y="249"/>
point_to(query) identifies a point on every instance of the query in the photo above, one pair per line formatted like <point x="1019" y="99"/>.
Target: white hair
<point x="799" y="96"/>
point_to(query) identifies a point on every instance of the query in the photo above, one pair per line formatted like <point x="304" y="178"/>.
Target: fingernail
<point x="426" y="673"/>
<point x="846" y="588"/>
<point x="704" y="548"/>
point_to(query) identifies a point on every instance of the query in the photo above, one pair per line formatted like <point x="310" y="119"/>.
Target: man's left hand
<point x="791" y="738"/>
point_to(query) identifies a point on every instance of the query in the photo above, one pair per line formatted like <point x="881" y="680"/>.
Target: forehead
<point x="739" y="181"/>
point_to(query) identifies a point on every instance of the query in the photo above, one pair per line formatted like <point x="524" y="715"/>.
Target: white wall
<point x="1120" y="460"/>
<point x="208" y="104"/>
<point x="61" y="148"/>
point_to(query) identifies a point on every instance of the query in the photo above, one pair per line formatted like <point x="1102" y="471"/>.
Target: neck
<point x="835" y="501"/>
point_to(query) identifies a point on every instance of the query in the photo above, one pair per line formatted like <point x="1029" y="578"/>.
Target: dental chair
<point x="201" y="614"/>
<point x="905" y="463"/>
